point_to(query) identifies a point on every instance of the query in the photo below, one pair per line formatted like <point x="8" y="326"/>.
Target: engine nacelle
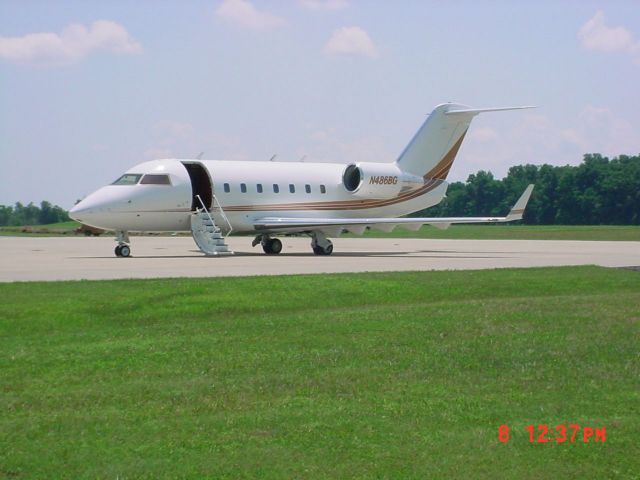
<point x="378" y="180"/>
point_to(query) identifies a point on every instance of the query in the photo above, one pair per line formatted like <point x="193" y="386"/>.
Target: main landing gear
<point x="271" y="246"/>
<point x="320" y="244"/>
<point x="123" y="249"/>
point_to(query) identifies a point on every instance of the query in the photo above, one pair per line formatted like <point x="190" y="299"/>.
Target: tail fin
<point x="434" y="147"/>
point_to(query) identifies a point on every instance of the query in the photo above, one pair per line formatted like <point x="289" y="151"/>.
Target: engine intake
<point x="351" y="178"/>
<point x="378" y="180"/>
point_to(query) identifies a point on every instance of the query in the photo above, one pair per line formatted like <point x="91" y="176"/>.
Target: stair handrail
<point x="224" y="215"/>
<point x="206" y="211"/>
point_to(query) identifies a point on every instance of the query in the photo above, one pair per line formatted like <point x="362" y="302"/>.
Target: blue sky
<point x="90" y="88"/>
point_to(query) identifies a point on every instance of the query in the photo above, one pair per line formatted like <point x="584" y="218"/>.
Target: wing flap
<point x="384" y="227"/>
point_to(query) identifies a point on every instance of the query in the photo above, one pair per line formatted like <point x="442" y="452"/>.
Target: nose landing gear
<point x="123" y="249"/>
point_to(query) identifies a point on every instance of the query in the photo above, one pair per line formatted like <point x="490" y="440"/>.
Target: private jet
<point x="266" y="199"/>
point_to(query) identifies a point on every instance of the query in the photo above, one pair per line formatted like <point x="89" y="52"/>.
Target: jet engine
<point x="378" y="180"/>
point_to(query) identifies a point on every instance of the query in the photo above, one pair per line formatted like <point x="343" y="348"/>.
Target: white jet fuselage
<point x="213" y="198"/>
<point x="247" y="191"/>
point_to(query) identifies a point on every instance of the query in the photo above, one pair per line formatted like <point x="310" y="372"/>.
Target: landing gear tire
<point x="272" y="246"/>
<point x="123" y="251"/>
<point x="326" y="250"/>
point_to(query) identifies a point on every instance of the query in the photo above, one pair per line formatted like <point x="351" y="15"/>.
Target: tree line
<point x="599" y="191"/>
<point x="31" y="214"/>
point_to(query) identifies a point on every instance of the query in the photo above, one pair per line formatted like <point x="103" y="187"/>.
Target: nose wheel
<point x="122" y="250"/>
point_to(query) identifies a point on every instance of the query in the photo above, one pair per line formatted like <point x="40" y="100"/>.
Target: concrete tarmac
<point x="76" y="258"/>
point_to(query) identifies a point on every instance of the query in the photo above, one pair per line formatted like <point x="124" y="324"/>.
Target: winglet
<point x="518" y="209"/>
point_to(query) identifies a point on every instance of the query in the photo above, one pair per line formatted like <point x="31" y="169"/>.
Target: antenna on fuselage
<point x="199" y="156"/>
<point x="273" y="158"/>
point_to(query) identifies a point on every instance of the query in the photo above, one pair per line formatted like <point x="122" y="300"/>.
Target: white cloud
<point x="602" y="131"/>
<point x="483" y="134"/>
<point x="327" y="145"/>
<point x="73" y="44"/>
<point x="155" y="153"/>
<point x="174" y="139"/>
<point x="537" y="139"/>
<point x="596" y="35"/>
<point x="319" y="136"/>
<point x="178" y="130"/>
<point x="351" y="41"/>
<point x="324" y="4"/>
<point x="243" y="14"/>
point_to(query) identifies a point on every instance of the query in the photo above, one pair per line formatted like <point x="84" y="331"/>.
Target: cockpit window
<point x="128" y="179"/>
<point x="155" y="180"/>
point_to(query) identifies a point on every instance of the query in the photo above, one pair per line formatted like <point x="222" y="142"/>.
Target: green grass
<point x="378" y="375"/>
<point x="51" y="229"/>
<point x="471" y="232"/>
<point x="519" y="232"/>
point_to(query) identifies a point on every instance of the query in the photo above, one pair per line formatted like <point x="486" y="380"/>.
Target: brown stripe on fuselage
<point x="340" y="205"/>
<point x="432" y="179"/>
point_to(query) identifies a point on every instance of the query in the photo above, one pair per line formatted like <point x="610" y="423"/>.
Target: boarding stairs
<point x="209" y="237"/>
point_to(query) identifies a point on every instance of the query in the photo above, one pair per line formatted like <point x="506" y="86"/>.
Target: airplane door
<point x="201" y="185"/>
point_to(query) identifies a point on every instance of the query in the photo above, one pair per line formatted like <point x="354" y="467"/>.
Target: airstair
<point x="210" y="238"/>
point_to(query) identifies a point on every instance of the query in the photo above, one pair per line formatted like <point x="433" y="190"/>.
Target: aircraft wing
<point x="334" y="226"/>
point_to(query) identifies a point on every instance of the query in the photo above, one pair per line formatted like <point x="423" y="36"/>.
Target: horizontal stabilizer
<point x="476" y="111"/>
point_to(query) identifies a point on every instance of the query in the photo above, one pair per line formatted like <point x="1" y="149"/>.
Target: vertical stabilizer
<point x="433" y="148"/>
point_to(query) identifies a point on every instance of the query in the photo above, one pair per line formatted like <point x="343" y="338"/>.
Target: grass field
<point x="520" y="232"/>
<point x="52" y="229"/>
<point x="385" y="375"/>
<point x="478" y="232"/>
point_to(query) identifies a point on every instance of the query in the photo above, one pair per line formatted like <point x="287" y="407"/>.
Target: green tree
<point x="598" y="191"/>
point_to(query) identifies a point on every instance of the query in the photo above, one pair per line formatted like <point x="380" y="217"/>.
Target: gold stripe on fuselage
<point x="432" y="179"/>
<point x="339" y="205"/>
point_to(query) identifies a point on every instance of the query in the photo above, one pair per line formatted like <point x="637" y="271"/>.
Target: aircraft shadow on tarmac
<point x="413" y="254"/>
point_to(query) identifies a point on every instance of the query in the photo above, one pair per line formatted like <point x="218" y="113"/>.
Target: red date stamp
<point x="570" y="433"/>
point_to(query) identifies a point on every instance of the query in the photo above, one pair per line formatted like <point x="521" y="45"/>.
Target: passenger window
<point x="243" y="187"/>
<point x="227" y="189"/>
<point x="276" y="188"/>
<point x="128" y="179"/>
<point x="292" y="188"/>
<point x="259" y="188"/>
<point x="307" y="188"/>
<point x="323" y="189"/>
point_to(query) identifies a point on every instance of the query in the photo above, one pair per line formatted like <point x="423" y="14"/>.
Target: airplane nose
<point x="95" y="208"/>
<point x="82" y="212"/>
<point x="75" y="211"/>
